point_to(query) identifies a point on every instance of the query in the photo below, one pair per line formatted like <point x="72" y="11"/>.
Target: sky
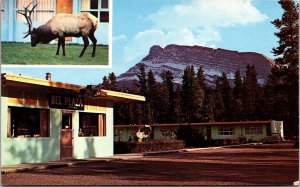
<point x="241" y="25"/>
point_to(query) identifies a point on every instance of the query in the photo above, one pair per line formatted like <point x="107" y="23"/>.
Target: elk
<point x="60" y="26"/>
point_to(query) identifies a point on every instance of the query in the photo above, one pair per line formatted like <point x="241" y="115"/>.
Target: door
<point x="66" y="138"/>
<point x="64" y="6"/>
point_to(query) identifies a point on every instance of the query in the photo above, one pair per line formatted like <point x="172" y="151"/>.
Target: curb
<point x="195" y="149"/>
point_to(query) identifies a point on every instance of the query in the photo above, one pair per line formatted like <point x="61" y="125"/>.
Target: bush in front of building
<point x="148" y="146"/>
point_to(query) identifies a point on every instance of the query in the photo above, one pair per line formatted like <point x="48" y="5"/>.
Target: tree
<point x="239" y="93"/>
<point x="112" y="81"/>
<point x="281" y="90"/>
<point x="168" y="86"/>
<point x="192" y="96"/>
<point x="142" y="80"/>
<point x="201" y="78"/>
<point x="105" y="83"/>
<point x="288" y="50"/>
<point x="252" y="93"/>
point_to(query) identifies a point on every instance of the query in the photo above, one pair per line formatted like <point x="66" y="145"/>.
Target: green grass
<point x="44" y="54"/>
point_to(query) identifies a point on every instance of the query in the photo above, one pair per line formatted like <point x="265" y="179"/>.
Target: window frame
<point x="42" y="134"/>
<point x="228" y="131"/>
<point x="101" y="128"/>
<point x="99" y="10"/>
<point x="250" y="130"/>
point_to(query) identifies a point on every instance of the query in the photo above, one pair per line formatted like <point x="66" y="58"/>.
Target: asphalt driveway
<point x="276" y="164"/>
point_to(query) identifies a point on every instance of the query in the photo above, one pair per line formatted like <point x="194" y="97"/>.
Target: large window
<point x="92" y="124"/>
<point x="28" y="122"/>
<point x="99" y="8"/>
<point x="254" y="130"/>
<point x="226" y="131"/>
<point x="43" y="11"/>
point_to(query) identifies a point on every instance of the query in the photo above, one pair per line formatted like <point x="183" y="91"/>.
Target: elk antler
<point x="27" y="15"/>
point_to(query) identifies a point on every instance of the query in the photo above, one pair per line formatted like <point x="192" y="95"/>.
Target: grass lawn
<point x="44" y="54"/>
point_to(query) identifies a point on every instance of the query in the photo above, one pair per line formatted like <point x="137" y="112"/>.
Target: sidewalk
<point x="66" y="163"/>
<point x="76" y="162"/>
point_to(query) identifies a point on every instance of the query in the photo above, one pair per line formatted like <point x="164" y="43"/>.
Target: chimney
<point x="48" y="76"/>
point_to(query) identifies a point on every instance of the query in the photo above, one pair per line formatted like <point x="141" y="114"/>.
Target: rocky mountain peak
<point x="214" y="62"/>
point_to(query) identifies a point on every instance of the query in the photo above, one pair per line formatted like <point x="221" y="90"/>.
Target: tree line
<point x="246" y="99"/>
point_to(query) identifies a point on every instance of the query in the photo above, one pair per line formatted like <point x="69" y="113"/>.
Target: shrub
<point x="155" y="145"/>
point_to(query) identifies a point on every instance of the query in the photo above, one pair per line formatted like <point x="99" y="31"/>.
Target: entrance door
<point x="66" y="138"/>
<point x="65" y="6"/>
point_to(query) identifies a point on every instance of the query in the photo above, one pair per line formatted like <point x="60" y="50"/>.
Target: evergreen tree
<point x="167" y="83"/>
<point x="219" y="109"/>
<point x="192" y="96"/>
<point x="288" y="50"/>
<point x="238" y="92"/>
<point x="252" y="93"/>
<point x="105" y="83"/>
<point x="151" y="97"/>
<point x="142" y="80"/>
<point x="201" y="78"/>
<point x="281" y="90"/>
<point x="112" y="81"/>
<point x="208" y="109"/>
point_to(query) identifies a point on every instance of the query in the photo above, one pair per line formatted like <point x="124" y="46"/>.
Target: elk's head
<point x="27" y="14"/>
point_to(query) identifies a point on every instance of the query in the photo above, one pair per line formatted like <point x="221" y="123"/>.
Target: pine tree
<point x="201" y="78"/>
<point x="142" y="80"/>
<point x="105" y="83"/>
<point x="252" y="93"/>
<point x="192" y="96"/>
<point x="167" y="83"/>
<point x="282" y="87"/>
<point x="238" y="92"/>
<point x="112" y="81"/>
<point x="151" y="97"/>
<point x="288" y="50"/>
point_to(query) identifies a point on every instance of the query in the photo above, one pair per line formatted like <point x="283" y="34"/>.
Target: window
<point x="254" y="130"/>
<point x="28" y="122"/>
<point x="43" y="11"/>
<point x="226" y="131"/>
<point x="92" y="124"/>
<point x="99" y="8"/>
<point x="2" y="10"/>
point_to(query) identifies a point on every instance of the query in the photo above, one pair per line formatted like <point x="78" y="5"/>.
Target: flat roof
<point x="109" y="95"/>
<point x="200" y="124"/>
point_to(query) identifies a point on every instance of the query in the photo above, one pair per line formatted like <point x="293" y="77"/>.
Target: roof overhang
<point x="30" y="83"/>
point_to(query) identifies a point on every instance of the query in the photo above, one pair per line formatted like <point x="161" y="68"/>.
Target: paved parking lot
<point x="276" y="164"/>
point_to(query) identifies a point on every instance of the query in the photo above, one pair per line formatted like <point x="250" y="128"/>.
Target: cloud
<point x="119" y="38"/>
<point x="191" y="22"/>
<point x="206" y="13"/>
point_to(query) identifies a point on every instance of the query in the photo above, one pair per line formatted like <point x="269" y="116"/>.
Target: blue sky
<point x="242" y="25"/>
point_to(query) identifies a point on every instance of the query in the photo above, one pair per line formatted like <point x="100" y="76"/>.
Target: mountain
<point x="214" y="61"/>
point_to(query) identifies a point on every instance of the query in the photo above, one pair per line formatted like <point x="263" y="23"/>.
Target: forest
<point x="194" y="101"/>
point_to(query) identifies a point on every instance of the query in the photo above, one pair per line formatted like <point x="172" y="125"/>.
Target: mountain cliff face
<point x="214" y="61"/>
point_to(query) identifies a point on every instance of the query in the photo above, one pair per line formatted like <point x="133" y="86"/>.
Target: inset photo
<point x="55" y="32"/>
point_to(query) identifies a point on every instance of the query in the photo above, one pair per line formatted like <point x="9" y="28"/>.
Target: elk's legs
<point x="61" y="42"/>
<point x="86" y="44"/>
<point x="94" y="40"/>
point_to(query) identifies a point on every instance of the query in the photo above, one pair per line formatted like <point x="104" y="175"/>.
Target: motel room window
<point x="254" y="130"/>
<point x="226" y="131"/>
<point x="99" y="8"/>
<point x="92" y="124"/>
<point x="44" y="10"/>
<point x="28" y="122"/>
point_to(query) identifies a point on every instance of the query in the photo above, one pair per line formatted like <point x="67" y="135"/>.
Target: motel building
<point x="13" y="24"/>
<point x="44" y="120"/>
<point x="222" y="132"/>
